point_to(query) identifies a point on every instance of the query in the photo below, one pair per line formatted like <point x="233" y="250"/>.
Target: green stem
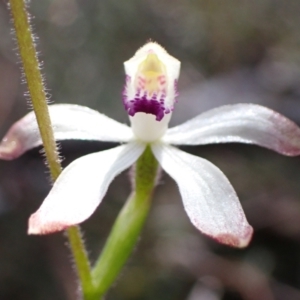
<point x="128" y="225"/>
<point x="35" y="84"/>
<point x="38" y="97"/>
<point x="82" y="263"/>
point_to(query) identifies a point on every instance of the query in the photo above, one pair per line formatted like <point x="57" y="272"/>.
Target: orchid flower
<point x="149" y="96"/>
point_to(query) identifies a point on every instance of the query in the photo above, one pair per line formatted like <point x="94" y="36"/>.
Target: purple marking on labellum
<point x="150" y="105"/>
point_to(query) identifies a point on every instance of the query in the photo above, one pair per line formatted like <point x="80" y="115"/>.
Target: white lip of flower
<point x="208" y="198"/>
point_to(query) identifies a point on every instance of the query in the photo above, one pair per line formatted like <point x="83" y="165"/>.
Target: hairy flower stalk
<point x="149" y="97"/>
<point x="35" y="83"/>
<point x="37" y="94"/>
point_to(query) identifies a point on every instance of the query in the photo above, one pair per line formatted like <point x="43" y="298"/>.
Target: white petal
<point x="80" y="188"/>
<point x="208" y="197"/>
<point x="242" y="123"/>
<point x="69" y="122"/>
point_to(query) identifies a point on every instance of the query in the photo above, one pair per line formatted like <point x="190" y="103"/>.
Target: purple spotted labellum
<point x="151" y="82"/>
<point x="149" y="97"/>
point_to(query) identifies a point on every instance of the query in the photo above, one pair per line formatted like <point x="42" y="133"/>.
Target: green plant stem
<point x="82" y="263"/>
<point x="38" y="97"/>
<point x="35" y="83"/>
<point x="128" y="225"/>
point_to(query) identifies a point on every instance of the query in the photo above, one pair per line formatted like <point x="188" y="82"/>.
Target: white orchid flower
<point x="149" y="96"/>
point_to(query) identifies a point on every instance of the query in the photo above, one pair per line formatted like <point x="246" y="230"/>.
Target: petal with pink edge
<point x="69" y="122"/>
<point x="80" y="188"/>
<point x="208" y="197"/>
<point x="241" y="123"/>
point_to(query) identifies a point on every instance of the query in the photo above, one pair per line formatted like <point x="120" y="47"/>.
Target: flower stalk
<point x="34" y="79"/>
<point x="35" y="83"/>
<point x="128" y="225"/>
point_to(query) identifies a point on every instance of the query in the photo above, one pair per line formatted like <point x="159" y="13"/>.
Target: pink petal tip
<point x="288" y="134"/>
<point x="36" y="225"/>
<point x="235" y="240"/>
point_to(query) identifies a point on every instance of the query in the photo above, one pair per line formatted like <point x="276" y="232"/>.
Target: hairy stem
<point x="82" y="262"/>
<point x="38" y="97"/>
<point x="35" y="83"/>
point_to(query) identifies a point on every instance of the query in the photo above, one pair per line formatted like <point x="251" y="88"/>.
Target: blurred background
<point x="231" y="51"/>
